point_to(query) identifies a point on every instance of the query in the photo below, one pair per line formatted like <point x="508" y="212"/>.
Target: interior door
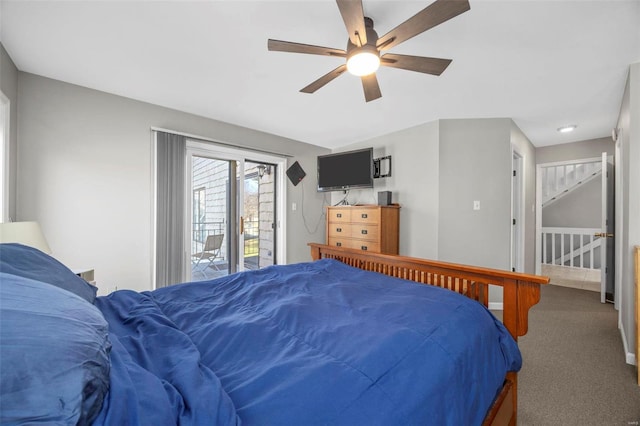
<point x="607" y="236"/>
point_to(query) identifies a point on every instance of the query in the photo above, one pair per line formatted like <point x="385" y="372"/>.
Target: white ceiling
<point x="543" y="63"/>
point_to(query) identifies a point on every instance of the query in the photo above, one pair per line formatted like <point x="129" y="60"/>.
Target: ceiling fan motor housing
<point x="370" y="46"/>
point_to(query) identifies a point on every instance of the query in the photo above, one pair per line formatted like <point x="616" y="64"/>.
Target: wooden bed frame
<point x="520" y="292"/>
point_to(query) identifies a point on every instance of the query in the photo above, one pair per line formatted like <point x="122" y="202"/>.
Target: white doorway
<point x="574" y="223"/>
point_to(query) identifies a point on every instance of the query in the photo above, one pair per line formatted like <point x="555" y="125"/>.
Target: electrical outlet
<point x="294" y="207"/>
<point x="476" y="205"/>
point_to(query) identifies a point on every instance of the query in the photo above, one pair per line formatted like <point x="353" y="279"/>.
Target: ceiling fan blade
<point x="353" y="17"/>
<point x="324" y="79"/>
<point x="371" y="87"/>
<point x="434" y="14"/>
<point x="433" y="66"/>
<point x="288" y="46"/>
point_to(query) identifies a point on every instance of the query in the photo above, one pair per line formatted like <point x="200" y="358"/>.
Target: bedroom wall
<point x="84" y="172"/>
<point x="475" y="164"/>
<point x="592" y="148"/>
<point x="579" y="209"/>
<point x="9" y="86"/>
<point x="413" y="183"/>
<point x="628" y="201"/>
<point x="439" y="169"/>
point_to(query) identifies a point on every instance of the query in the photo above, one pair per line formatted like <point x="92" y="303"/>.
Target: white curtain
<point x="170" y="211"/>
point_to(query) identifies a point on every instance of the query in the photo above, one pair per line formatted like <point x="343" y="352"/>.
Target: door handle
<point x="241" y="225"/>
<point x="603" y="235"/>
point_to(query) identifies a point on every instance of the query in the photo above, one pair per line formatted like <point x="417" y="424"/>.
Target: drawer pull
<point x="364" y="248"/>
<point x="364" y="215"/>
<point x="338" y="229"/>
<point x="363" y="232"/>
<point x="339" y="244"/>
<point x="338" y="214"/>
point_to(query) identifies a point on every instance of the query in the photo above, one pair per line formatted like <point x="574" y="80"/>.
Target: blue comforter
<point x="305" y="344"/>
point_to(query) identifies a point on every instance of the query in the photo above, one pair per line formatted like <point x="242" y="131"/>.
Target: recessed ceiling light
<point x="567" y="129"/>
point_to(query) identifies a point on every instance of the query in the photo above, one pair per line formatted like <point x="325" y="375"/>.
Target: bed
<point x="350" y="338"/>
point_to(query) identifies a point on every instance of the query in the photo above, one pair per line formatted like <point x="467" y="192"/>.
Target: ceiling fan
<point x="364" y="53"/>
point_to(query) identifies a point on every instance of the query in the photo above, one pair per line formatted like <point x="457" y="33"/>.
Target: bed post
<point x="315" y="252"/>
<point x="510" y="315"/>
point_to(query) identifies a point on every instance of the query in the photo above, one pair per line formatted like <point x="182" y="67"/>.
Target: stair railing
<point x="573" y="247"/>
<point x="560" y="178"/>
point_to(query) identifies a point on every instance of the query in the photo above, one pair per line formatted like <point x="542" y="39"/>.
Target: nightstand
<point x="86" y="274"/>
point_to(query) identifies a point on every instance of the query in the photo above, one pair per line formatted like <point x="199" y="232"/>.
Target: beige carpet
<point x="574" y="370"/>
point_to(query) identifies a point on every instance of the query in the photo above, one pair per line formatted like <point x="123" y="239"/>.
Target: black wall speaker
<point x="295" y="173"/>
<point x="384" y="198"/>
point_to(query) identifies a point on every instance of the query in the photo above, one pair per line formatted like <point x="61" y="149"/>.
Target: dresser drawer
<point x="365" y="215"/>
<point x="365" y="232"/>
<point x="340" y="242"/>
<point x="339" y="215"/>
<point x="365" y="245"/>
<point x="363" y="227"/>
<point x="343" y="230"/>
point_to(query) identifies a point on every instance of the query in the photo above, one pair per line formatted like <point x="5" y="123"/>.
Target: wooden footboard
<point x="520" y="292"/>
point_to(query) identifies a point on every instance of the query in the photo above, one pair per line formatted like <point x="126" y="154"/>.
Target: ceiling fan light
<point x="363" y="63"/>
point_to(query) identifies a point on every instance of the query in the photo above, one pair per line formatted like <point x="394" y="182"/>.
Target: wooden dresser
<point x="371" y="228"/>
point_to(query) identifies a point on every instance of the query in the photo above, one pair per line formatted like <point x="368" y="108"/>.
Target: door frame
<point x="616" y="216"/>
<point x="608" y="253"/>
<point x="5" y="157"/>
<point x="227" y="153"/>
<point x="517" y="210"/>
<point x="538" y="262"/>
<point x="618" y="189"/>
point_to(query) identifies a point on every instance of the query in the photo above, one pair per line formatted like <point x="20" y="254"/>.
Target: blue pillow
<point x="55" y="355"/>
<point x="29" y="262"/>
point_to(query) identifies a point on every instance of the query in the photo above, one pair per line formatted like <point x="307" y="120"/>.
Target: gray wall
<point x="439" y="169"/>
<point x="581" y="208"/>
<point x="85" y="173"/>
<point x="9" y="86"/>
<point x="413" y="183"/>
<point x="475" y="164"/>
<point x="592" y="148"/>
<point x="628" y="203"/>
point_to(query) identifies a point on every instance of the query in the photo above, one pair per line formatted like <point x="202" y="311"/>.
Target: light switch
<point x="476" y="205"/>
<point x="294" y="207"/>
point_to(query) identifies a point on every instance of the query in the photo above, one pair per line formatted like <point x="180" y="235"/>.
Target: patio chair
<point x="210" y="251"/>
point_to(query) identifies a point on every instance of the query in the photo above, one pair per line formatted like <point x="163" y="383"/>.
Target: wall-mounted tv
<point x="345" y="170"/>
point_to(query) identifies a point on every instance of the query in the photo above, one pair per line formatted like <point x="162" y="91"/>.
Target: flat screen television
<point x="345" y="170"/>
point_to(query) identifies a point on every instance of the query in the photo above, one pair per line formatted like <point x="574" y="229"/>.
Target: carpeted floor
<point x="574" y="370"/>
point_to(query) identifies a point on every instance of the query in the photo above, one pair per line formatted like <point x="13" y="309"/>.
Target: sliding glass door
<point x="259" y="215"/>
<point x="233" y="211"/>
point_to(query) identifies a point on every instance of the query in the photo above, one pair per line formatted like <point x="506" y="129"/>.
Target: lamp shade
<point x="27" y="233"/>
